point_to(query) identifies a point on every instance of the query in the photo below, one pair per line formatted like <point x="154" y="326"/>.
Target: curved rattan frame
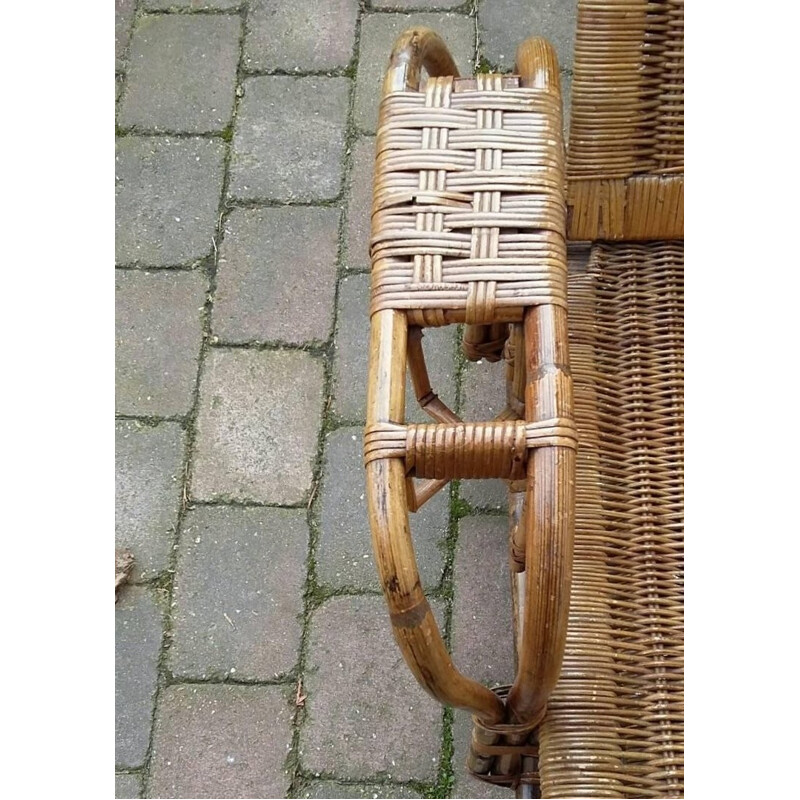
<point x="548" y="530"/>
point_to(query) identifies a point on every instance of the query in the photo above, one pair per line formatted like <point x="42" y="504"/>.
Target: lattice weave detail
<point x="468" y="208"/>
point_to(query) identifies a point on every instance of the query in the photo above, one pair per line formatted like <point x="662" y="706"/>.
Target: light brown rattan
<point x="468" y="225"/>
<point x="614" y="725"/>
<point x="610" y="723"/>
<point x="625" y="157"/>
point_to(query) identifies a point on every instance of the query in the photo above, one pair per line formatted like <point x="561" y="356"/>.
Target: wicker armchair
<point x="474" y="201"/>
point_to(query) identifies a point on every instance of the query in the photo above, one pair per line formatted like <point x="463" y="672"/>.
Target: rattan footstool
<point x="469" y="227"/>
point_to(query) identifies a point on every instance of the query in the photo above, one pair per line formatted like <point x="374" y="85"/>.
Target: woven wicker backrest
<point x="625" y="158"/>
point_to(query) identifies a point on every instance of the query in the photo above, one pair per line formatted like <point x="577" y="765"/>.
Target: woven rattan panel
<point x="614" y="726"/>
<point x="625" y="155"/>
<point x="468" y="207"/>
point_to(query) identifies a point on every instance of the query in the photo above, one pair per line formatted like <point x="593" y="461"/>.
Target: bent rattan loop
<point x="466" y="449"/>
<point x="469" y="225"/>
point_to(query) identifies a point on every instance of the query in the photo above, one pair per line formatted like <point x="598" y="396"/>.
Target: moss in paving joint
<point x="314" y="594"/>
<point x="209" y="269"/>
<point x="200" y="12"/>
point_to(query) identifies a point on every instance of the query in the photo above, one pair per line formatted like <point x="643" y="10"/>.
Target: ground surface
<point x="254" y="656"/>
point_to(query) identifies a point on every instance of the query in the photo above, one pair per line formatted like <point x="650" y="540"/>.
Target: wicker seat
<point x="471" y="213"/>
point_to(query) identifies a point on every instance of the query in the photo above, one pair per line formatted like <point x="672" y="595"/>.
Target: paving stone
<point x="195" y="5"/>
<point x="330" y="789"/>
<point x="359" y="205"/>
<point x="257" y="429"/>
<point x="412" y="4"/>
<point x="303" y="35"/>
<point x="484" y="397"/>
<point x="139" y="628"/>
<point x="158" y="336"/>
<point x="378" y="33"/>
<point x="276" y="277"/>
<point x="344" y="554"/>
<point x="366" y="714"/>
<point x="127" y="784"/>
<point x="483" y="632"/>
<point x="289" y="139"/>
<point x="465" y="785"/>
<point x="182" y="73"/>
<point x="221" y="741"/>
<point x="350" y="361"/>
<point x="239" y="592"/>
<point x="149" y="463"/>
<point x="505" y="23"/>
<point x="167" y="199"/>
<point x="123" y="22"/>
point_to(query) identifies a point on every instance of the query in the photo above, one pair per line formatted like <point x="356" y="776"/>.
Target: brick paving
<point x="254" y="656"/>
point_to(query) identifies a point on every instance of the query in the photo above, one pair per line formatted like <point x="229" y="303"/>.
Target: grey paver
<point x="484" y="397"/>
<point x="276" y="276"/>
<point x="506" y="23"/>
<point x="351" y="357"/>
<point x="149" y="463"/>
<point x="465" y="785"/>
<point x="483" y="638"/>
<point x="257" y="429"/>
<point x="167" y="196"/>
<point x="123" y="21"/>
<point x="139" y="629"/>
<point x="378" y="33"/>
<point x="195" y="5"/>
<point x="127" y="784"/>
<point x="330" y="789"/>
<point x="158" y="336"/>
<point x="344" y="553"/>
<point x="366" y="713"/>
<point x="413" y="4"/>
<point x="182" y="73"/>
<point x="303" y="35"/>
<point x="238" y="596"/>
<point x="359" y="204"/>
<point x="289" y="138"/>
<point x="221" y="741"/>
